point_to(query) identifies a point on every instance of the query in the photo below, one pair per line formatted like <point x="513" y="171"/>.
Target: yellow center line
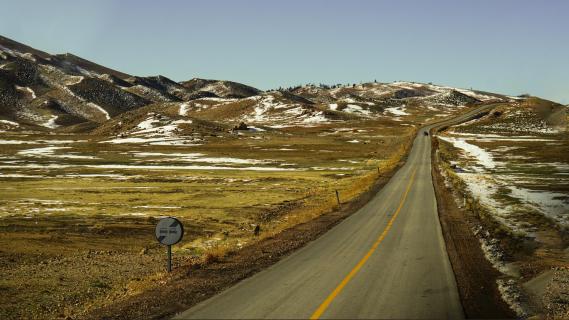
<point x="340" y="287"/>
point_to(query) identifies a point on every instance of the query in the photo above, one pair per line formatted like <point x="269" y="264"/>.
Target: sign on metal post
<point x="169" y="231"/>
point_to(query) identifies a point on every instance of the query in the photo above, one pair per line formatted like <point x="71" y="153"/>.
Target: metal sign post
<point x="169" y="231"/>
<point x="169" y="267"/>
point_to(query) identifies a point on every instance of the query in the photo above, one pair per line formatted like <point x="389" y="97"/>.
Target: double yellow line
<point x="322" y="308"/>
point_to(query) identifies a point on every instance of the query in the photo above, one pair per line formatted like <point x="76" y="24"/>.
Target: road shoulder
<point x="475" y="275"/>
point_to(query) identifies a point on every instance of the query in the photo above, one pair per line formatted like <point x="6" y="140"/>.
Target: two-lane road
<point x="387" y="260"/>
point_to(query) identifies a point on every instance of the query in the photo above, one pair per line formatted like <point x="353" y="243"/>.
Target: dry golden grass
<point x="94" y="223"/>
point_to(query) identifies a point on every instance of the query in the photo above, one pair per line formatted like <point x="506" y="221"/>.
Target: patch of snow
<point x="39" y="141"/>
<point x="152" y="128"/>
<point x="18" y="175"/>
<point x="95" y="175"/>
<point x="147" y="124"/>
<point x="483" y="157"/>
<point x="297" y="111"/>
<point x="156" y="141"/>
<point x="184" y="107"/>
<point x="50" y="152"/>
<point x="193" y="167"/>
<point x="318" y="117"/>
<point x="488" y="137"/>
<point x="354" y="108"/>
<point x="475" y="95"/>
<point x="199" y="157"/>
<point x="511" y="293"/>
<point x="27" y="89"/>
<point x="524" y="127"/>
<point x="51" y="122"/>
<point x="348" y="100"/>
<point x="146" y="167"/>
<point x="161" y="154"/>
<point x="398" y="111"/>
<point x="332" y="169"/>
<point x="553" y="204"/>
<point x="218" y="99"/>
<point x="73" y="80"/>
<point x="10" y="123"/>
<point x="100" y="109"/>
<point x="157" y="207"/>
<point x="182" y="121"/>
<point x="255" y="129"/>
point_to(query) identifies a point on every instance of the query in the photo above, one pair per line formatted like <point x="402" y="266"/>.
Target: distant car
<point x="425" y="133"/>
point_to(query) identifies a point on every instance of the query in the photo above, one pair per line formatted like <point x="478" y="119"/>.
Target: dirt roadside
<point x="475" y="275"/>
<point x="193" y="283"/>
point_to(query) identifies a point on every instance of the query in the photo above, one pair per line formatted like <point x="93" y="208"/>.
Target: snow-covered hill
<point x="39" y="91"/>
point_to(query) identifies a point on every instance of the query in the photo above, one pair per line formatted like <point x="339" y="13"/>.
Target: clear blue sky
<point x="508" y="46"/>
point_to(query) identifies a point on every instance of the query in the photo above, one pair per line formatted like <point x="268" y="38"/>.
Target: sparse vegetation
<point x="509" y="170"/>
<point x="89" y="220"/>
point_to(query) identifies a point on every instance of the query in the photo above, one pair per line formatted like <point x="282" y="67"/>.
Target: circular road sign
<point x="169" y="231"/>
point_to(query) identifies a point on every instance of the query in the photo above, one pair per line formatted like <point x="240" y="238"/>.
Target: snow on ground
<point x="26" y="89"/>
<point x="157" y="207"/>
<point x="10" y="123"/>
<point x="218" y="99"/>
<point x="50" y="152"/>
<point x="265" y="104"/>
<point x="72" y="80"/>
<point x="143" y="167"/>
<point x="50" y="123"/>
<point x="296" y="111"/>
<point x="333" y="106"/>
<point x="158" y="141"/>
<point x="157" y="131"/>
<point x="256" y="129"/>
<point x="479" y="96"/>
<point x="114" y="176"/>
<point x="398" y="111"/>
<point x="555" y="205"/>
<point x="39" y="141"/>
<point x="482" y="157"/>
<point x="488" y="137"/>
<point x="540" y="128"/>
<point x="15" y="53"/>
<point x="88" y="73"/>
<point x="407" y="85"/>
<point x="484" y="183"/>
<point x="184" y="107"/>
<point x="19" y="175"/>
<point x="348" y="100"/>
<point x="317" y="117"/>
<point x="152" y="93"/>
<point x="199" y="157"/>
<point x="99" y="109"/>
<point x="147" y="124"/>
<point x="354" y="108"/>
<point x="289" y="115"/>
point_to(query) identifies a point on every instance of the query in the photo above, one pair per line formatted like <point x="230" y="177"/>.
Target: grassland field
<point x="77" y="213"/>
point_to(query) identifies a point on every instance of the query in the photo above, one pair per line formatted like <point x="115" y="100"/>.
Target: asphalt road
<point x="387" y="260"/>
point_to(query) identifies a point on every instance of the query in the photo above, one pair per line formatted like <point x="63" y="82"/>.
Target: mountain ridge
<point x="40" y="91"/>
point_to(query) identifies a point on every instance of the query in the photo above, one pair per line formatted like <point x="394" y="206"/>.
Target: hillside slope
<point x="47" y="92"/>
